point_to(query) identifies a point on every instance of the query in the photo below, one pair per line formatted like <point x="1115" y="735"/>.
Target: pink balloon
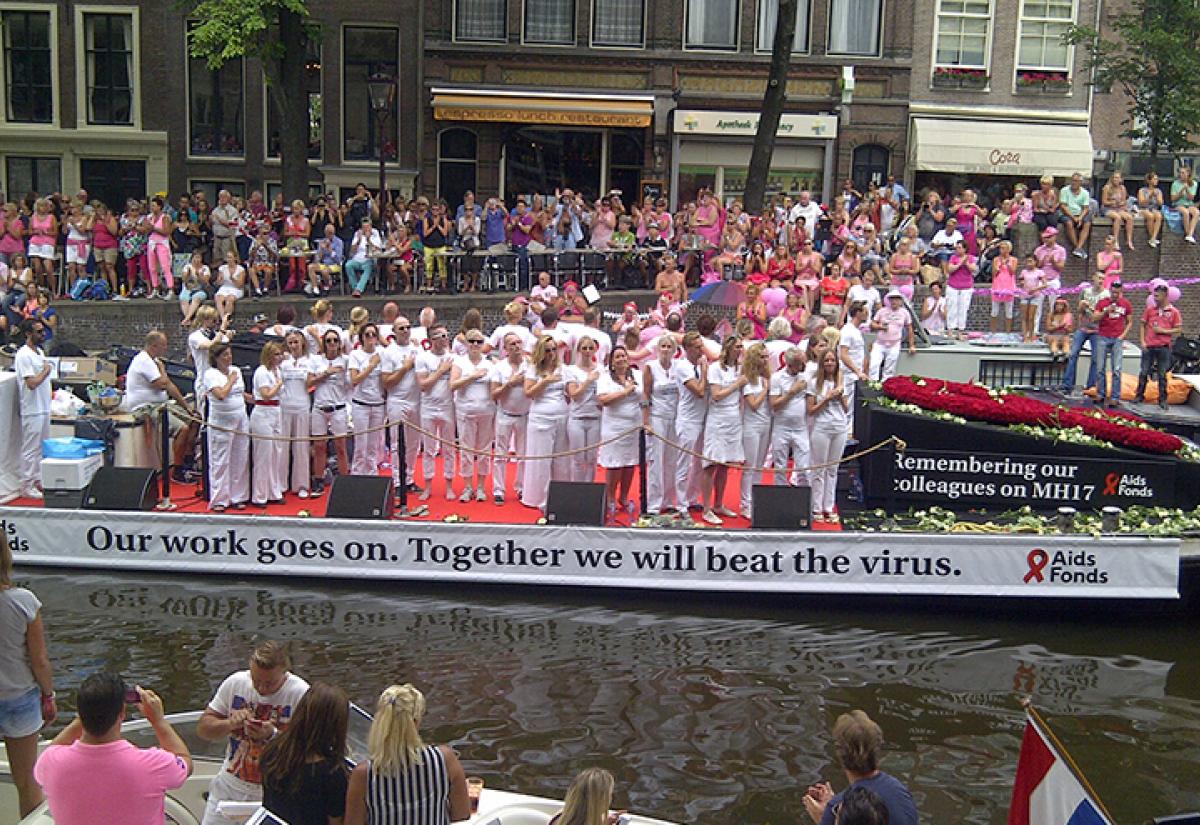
<point x="1173" y="293"/>
<point x="1150" y="300"/>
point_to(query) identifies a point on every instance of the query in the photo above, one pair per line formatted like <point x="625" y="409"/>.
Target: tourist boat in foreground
<point x="185" y="806"/>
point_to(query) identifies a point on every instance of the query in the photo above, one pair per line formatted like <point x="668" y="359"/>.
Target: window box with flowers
<point x="957" y="77"/>
<point x="1038" y="81"/>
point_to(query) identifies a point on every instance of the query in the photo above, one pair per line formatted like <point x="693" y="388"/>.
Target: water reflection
<point x="707" y="714"/>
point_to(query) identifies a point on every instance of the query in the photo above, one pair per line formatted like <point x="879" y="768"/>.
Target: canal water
<point x="708" y="710"/>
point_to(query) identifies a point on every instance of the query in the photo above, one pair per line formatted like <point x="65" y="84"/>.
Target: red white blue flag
<point x="1048" y="790"/>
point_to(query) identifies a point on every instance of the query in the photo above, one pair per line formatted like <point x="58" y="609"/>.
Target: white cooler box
<point x="69" y="473"/>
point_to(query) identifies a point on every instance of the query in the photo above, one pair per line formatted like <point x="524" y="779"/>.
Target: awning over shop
<point x="994" y="147"/>
<point x="560" y="109"/>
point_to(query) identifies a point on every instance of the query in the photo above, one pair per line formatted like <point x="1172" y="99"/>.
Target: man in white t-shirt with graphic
<point x="249" y="709"/>
<point x="889" y="324"/>
<point x="33" y="370"/>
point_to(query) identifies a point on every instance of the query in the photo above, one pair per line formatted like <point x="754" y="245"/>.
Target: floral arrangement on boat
<point x="977" y="402"/>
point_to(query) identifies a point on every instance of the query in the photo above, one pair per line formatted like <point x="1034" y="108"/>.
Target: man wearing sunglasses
<point x="437" y="409"/>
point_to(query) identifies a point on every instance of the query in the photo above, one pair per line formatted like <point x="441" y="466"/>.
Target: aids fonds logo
<point x="1062" y="567"/>
<point x="1128" y="485"/>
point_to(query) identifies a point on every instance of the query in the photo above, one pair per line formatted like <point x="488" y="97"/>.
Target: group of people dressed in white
<point x="558" y="402"/>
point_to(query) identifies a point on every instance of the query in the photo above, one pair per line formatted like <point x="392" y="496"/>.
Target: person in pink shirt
<point x="91" y="775"/>
<point x="1160" y="322"/>
<point x="1004" y="287"/>
<point x="1033" y="285"/>
<point x="889" y="323"/>
<point x="1110" y="261"/>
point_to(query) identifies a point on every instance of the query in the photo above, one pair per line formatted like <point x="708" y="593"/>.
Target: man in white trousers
<point x="889" y="324"/>
<point x="403" y="399"/>
<point x="33" y="370"/>
<point x="512" y="412"/>
<point x="437" y="409"/>
<point x="789" y="436"/>
<point x="690" y="373"/>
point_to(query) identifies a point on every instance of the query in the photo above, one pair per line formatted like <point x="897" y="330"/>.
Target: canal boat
<point x="185" y="806"/>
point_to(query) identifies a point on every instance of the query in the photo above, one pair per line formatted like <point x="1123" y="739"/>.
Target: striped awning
<point x="551" y="108"/>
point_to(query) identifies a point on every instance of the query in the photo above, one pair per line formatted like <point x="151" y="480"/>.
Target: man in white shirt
<point x="789" y="435"/>
<point x="437" y="409"/>
<point x="561" y="334"/>
<point x="360" y="265"/>
<point x="33" y="370"/>
<point x="147" y="383"/>
<point x="805" y="207"/>
<point x="942" y="245"/>
<point x="514" y="312"/>
<point x="420" y="333"/>
<point x="403" y="397"/>
<point x="507" y="382"/>
<point x="690" y="373"/>
<point x="866" y="292"/>
<point x="224" y="220"/>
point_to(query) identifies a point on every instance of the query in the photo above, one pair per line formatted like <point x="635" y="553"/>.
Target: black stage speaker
<point x="781" y="508"/>
<point x="122" y="488"/>
<point x="361" y="497"/>
<point x="575" y="502"/>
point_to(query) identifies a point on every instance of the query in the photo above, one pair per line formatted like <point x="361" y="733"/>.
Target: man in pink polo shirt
<point x="91" y="775"/>
<point x="1160" y="322"/>
<point x="889" y="323"/>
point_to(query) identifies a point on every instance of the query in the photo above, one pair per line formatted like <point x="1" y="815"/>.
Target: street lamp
<point x="381" y="88"/>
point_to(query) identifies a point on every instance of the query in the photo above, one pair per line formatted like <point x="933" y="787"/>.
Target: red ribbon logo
<point x="1110" y="484"/>
<point x="1037" y="561"/>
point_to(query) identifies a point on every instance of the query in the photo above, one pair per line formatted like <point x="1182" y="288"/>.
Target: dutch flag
<point x="1048" y="790"/>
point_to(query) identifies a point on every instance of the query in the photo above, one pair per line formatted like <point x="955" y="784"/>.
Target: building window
<point x="712" y="24"/>
<point x="457" y="150"/>
<point x="217" y="101"/>
<point x="1043" y="23"/>
<point x="480" y="20"/>
<point x="962" y="33"/>
<point x="210" y="188"/>
<point x="626" y="159"/>
<point x="870" y="165"/>
<point x="41" y="175"/>
<point x="27" y="67"/>
<point x="550" y="21"/>
<point x="768" y="13"/>
<point x="619" y="23"/>
<point x="109" y="64"/>
<point x="854" y="26"/>
<point x="312" y="88"/>
<point x="366" y="51"/>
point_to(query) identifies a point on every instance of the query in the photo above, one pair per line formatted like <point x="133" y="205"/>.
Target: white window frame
<point x="854" y="55"/>
<point x="737" y="31"/>
<point x="619" y="47"/>
<point x="268" y="160"/>
<point x="5" y="184"/>
<point x="55" y="89"/>
<point x="538" y="44"/>
<point x="187" y="90"/>
<point x="1021" y="18"/>
<point x="808" y="24"/>
<point x="341" y="132"/>
<point x="454" y="38"/>
<point x="438" y="174"/>
<point x="987" y="41"/>
<point x="81" y="119"/>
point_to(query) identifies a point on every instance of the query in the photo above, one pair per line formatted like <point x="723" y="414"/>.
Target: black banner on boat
<point x="950" y="478"/>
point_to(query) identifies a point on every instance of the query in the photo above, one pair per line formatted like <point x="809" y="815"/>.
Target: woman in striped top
<point x="405" y="781"/>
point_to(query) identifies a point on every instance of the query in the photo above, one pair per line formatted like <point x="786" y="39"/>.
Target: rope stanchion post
<point x="643" y="498"/>
<point x="400" y="472"/>
<point x="164" y="446"/>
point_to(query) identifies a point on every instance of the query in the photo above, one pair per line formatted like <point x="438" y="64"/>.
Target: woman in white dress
<point x="756" y="420"/>
<point x="475" y="413"/>
<point x="322" y="315"/>
<point x="662" y="395"/>
<point x="619" y="392"/>
<point x="829" y="412"/>
<point x="369" y="405"/>
<point x="722" y="429"/>
<point x="270" y="454"/>
<point x="547" y="432"/>
<point x="230" y="281"/>
<point x="294" y="409"/>
<point x="583" y="425"/>
<point x="228" y="441"/>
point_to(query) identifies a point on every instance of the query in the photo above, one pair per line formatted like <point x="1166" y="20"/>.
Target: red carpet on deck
<point x="187" y="499"/>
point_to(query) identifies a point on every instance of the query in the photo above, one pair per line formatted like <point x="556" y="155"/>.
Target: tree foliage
<point x="1153" y="57"/>
<point x="772" y="106"/>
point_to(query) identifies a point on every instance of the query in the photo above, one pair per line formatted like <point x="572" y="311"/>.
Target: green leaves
<point x="225" y="30"/>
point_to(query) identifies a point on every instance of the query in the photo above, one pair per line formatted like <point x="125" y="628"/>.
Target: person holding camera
<point x="89" y="759"/>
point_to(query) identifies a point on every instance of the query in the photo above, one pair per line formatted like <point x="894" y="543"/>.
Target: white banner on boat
<point x="785" y="562"/>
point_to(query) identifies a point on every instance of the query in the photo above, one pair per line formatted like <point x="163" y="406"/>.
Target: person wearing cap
<point x="628" y="319"/>
<point x="1160" y="322"/>
<point x="1113" y="317"/>
<point x="889" y="323"/>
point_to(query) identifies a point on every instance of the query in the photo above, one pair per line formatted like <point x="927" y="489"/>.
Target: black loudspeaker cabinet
<point x="575" y="502"/>
<point x="781" y="508"/>
<point x="360" y="497"/>
<point x="122" y="488"/>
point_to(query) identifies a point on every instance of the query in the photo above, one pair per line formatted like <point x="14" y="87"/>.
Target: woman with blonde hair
<point x="359" y="317"/>
<point x="405" y="780"/>
<point x="588" y="800"/>
<point x="619" y="392"/>
<point x="1114" y="202"/>
<point x="583" y="425"/>
<point x="756" y="419"/>
<point x="269" y="452"/>
<point x="723" y="429"/>
<point x="546" y="435"/>
<point x="322" y="315"/>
